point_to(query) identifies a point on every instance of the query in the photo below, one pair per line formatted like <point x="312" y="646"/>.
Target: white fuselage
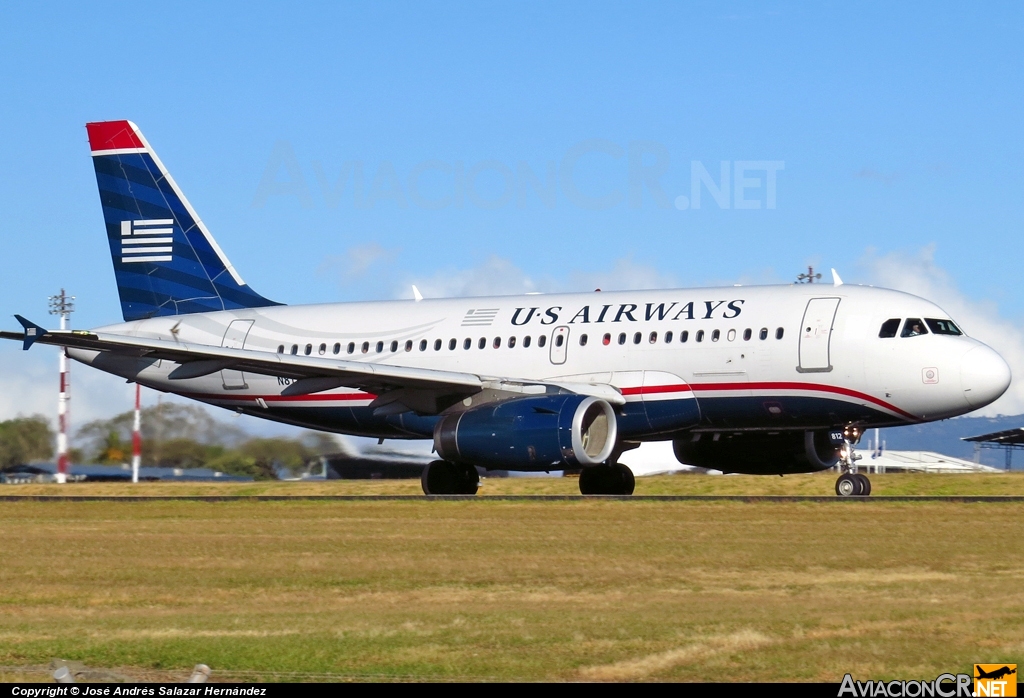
<point x="754" y="357"/>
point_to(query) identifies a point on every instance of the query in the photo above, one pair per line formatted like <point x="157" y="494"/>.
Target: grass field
<point x="505" y="590"/>
<point x="812" y="484"/>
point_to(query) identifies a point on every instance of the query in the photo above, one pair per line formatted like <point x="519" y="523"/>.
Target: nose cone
<point x="984" y="376"/>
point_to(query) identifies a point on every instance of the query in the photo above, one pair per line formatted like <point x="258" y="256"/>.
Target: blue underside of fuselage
<point x="637" y="421"/>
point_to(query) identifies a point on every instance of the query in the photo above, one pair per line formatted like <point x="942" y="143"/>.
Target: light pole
<point x="63" y="305"/>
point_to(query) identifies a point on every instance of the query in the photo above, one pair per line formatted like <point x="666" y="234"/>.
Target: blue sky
<point x="895" y="131"/>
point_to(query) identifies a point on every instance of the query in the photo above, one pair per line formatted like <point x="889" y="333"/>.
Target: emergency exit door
<point x="234" y="338"/>
<point x="559" y="344"/>
<point x="816" y="335"/>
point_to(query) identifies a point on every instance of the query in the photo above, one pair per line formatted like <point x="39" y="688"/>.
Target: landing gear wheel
<point x="615" y="479"/>
<point x="442" y="477"/>
<point x="865" y="484"/>
<point x="848" y="485"/>
<point x="625" y="479"/>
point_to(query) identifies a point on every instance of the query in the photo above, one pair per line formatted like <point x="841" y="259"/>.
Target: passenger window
<point x="280" y="349"/>
<point x="408" y="345"/>
<point x="763" y="334"/>
<point x="423" y="345"/>
<point x="295" y="349"/>
<point x="366" y="347"/>
<point x="482" y="343"/>
<point x="437" y="345"/>
<point x="337" y="347"/>
<point x="715" y="334"/>
<point x="778" y="333"/>
<point x="309" y="349"/>
<point x="668" y="337"/>
<point x="637" y="337"/>
<point x="889" y="328"/>
<point x="683" y="336"/>
<point x="511" y="342"/>
<point x="351" y="347"/>
<point x="394" y="346"/>
<point x="583" y="340"/>
<point x="452" y="343"/>
<point x="943" y="326"/>
<point x="700" y="335"/>
<point x="622" y="338"/>
<point x="653" y="339"/>
<point x="542" y="340"/>
<point x="606" y="340"/>
<point x="323" y="349"/>
<point x="913" y="327"/>
<point x="497" y="342"/>
<point x="380" y="347"/>
<point x="559" y="340"/>
<point x="746" y="335"/>
<point x="467" y="343"/>
<point x="526" y="341"/>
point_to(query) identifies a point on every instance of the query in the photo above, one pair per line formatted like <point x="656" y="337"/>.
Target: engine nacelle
<point x="758" y="453"/>
<point x="531" y="433"/>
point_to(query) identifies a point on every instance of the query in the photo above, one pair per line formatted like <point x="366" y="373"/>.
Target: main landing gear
<point x="851" y="483"/>
<point x="442" y="477"/>
<point x="610" y="478"/>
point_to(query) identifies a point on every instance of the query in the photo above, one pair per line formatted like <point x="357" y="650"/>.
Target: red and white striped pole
<point x="62" y="305"/>
<point x="137" y="435"/>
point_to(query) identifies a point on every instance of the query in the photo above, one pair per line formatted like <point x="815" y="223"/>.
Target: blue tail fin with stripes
<point x="165" y="260"/>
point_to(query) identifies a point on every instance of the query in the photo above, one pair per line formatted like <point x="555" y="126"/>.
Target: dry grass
<point x="479" y="590"/>
<point x="812" y="484"/>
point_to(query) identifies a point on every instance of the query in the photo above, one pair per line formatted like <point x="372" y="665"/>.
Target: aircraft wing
<point x="398" y="388"/>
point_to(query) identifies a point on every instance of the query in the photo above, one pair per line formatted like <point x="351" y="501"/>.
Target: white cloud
<point x="356" y="262"/>
<point x="495" y="277"/>
<point x="500" y="277"/>
<point x="625" y="274"/>
<point x="916" y="272"/>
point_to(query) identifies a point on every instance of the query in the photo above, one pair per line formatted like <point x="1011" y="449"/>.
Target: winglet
<point x="835" y="278"/>
<point x="33" y="332"/>
<point x="416" y="293"/>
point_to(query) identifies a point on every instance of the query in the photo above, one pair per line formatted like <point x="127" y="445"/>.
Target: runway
<point x="752" y="499"/>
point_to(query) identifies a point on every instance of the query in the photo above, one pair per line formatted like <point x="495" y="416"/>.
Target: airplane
<point x="743" y="379"/>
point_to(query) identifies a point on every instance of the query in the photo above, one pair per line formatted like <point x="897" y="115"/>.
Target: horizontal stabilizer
<point x="33" y="332"/>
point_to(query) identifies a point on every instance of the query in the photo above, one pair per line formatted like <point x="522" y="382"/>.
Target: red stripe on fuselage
<point x="645" y="390"/>
<point x="793" y="385"/>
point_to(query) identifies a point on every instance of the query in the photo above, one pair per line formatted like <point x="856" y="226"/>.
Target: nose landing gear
<point x="851" y="483"/>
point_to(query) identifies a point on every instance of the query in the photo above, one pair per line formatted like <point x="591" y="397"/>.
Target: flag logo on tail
<point x="147" y="241"/>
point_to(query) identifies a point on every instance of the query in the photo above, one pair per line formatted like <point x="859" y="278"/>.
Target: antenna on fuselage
<point x="416" y="294"/>
<point x="836" y="281"/>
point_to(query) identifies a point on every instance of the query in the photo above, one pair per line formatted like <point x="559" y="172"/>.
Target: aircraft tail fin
<point x="165" y="260"/>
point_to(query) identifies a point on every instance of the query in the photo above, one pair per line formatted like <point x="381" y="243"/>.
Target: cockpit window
<point x="889" y="328"/>
<point x="913" y="327"/>
<point x="942" y="326"/>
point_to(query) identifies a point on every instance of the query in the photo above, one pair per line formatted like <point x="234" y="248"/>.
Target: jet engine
<point x="759" y="453"/>
<point x="530" y="433"/>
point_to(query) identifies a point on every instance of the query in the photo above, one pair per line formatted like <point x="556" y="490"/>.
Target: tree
<point x="24" y="440"/>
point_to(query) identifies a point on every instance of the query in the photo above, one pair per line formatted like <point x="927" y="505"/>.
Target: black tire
<point x="865" y="485"/>
<point x="625" y="480"/>
<point x="848" y="485"/>
<point x="469" y="481"/>
<point x="594" y="479"/>
<point x="441" y="477"/>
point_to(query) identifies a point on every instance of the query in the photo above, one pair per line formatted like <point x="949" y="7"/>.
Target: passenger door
<point x="816" y="335"/>
<point x="234" y="338"/>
